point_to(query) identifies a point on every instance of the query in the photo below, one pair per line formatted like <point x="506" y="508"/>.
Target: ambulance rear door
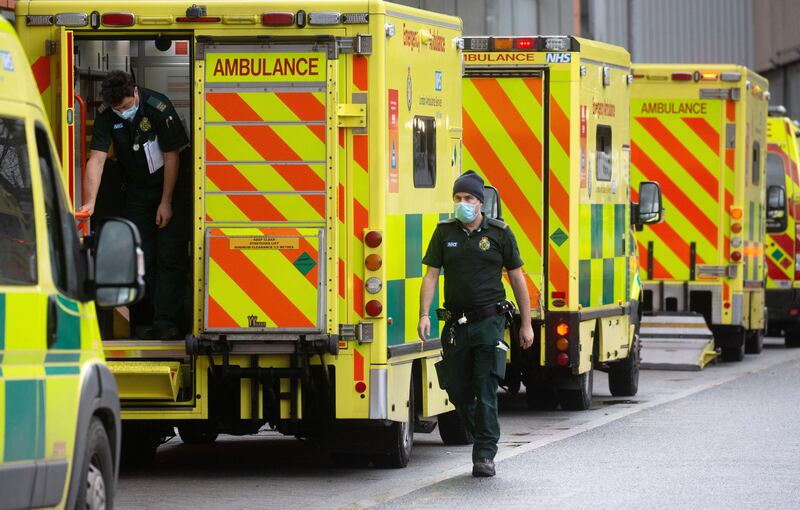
<point x="503" y="119"/>
<point x="268" y="143"/>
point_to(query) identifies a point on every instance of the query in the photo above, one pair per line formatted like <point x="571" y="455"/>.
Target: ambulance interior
<point x="162" y="64"/>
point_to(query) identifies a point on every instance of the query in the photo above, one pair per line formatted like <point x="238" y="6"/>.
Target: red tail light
<point x="562" y="359"/>
<point x="118" y="19"/>
<point x="736" y="256"/>
<point x="374" y="308"/>
<point x="277" y="19"/>
<point x="373" y="239"/>
<point x="361" y="387"/>
<point x="525" y="43"/>
<point x="682" y="76"/>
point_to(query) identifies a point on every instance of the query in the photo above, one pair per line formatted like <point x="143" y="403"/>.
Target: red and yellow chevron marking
<point x="507" y="150"/>
<point x="780" y="249"/>
<point x="558" y="188"/>
<point x="684" y="155"/>
<point x="263" y="283"/>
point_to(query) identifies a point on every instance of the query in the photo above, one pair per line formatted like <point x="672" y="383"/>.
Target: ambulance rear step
<point x="147" y="380"/>
<point x="680" y="341"/>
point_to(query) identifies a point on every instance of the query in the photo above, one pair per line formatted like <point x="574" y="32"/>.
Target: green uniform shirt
<point x="156" y="119"/>
<point x="473" y="262"/>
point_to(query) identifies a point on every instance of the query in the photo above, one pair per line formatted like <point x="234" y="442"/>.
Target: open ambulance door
<point x="266" y="153"/>
<point x="64" y="120"/>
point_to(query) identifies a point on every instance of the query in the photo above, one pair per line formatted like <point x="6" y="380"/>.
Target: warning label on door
<point x="263" y="243"/>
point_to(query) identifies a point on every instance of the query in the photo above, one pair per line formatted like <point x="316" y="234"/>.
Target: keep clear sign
<point x="265" y="67"/>
<point x="264" y="243"/>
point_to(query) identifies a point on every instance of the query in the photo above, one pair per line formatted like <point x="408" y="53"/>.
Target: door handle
<point x="52" y="321"/>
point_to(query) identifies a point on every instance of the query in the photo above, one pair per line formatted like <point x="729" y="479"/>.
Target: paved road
<point x="726" y="435"/>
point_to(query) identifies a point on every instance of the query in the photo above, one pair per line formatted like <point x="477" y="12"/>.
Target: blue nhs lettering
<point x="558" y="58"/>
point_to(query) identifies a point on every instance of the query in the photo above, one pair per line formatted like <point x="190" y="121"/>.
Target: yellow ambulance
<point x="546" y="124"/>
<point x="783" y="222"/>
<point x="326" y="136"/>
<point x="59" y="408"/>
<point x="700" y="130"/>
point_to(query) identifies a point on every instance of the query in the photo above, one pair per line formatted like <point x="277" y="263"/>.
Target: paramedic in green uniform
<point x="473" y="250"/>
<point x="148" y="138"/>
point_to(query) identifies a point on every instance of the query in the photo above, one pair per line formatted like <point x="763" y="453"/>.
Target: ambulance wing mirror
<point x="118" y="264"/>
<point x="491" y="203"/>
<point x="649" y="209"/>
<point x="776" y="209"/>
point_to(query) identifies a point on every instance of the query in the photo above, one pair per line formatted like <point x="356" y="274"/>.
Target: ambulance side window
<point x="755" y="164"/>
<point x="424" y="152"/>
<point x="603" y="151"/>
<point x="68" y="269"/>
<point x="17" y="227"/>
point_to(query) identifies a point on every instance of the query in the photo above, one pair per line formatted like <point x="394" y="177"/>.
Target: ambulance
<point x="783" y="222"/>
<point x="59" y="407"/>
<point x="546" y="123"/>
<point x="700" y="130"/>
<point x="326" y="136"/>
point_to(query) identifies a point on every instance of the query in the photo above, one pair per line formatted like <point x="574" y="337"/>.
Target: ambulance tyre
<point x="96" y="487"/>
<point x="579" y="399"/>
<point x="541" y="396"/>
<point x="398" y="439"/>
<point x="623" y="376"/>
<point x="453" y="430"/>
<point x="754" y="342"/>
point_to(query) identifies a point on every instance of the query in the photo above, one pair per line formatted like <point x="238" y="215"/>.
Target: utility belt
<point x="470" y="315"/>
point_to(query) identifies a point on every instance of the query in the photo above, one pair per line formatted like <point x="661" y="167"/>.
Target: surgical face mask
<point x="465" y="212"/>
<point x="128" y="114"/>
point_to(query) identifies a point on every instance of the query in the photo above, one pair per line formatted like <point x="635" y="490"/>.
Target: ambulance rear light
<point x="373" y="262"/>
<point x="502" y="43"/>
<point x="562" y="359"/>
<point x="277" y="19"/>
<point x="562" y="344"/>
<point x="39" y="20"/>
<point x="72" y="19"/>
<point x="374" y="308"/>
<point x="324" y="18"/>
<point x="794" y="311"/>
<point x="118" y="19"/>
<point x="698" y="76"/>
<point x="736" y="256"/>
<point x="682" y="76"/>
<point x="736" y="213"/>
<point x="556" y="43"/>
<point x="361" y="387"/>
<point x="525" y="43"/>
<point x="476" y="43"/>
<point x="373" y="239"/>
<point x="730" y="76"/>
<point x="562" y="329"/>
<point x="736" y="228"/>
<point x="373" y="285"/>
<point x="736" y="242"/>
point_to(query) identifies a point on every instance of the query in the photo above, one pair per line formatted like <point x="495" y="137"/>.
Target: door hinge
<point x="361" y="44"/>
<point x="732" y="94"/>
<point x="50" y="47"/>
<point x="351" y="115"/>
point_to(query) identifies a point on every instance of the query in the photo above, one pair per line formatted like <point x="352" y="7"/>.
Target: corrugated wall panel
<point x="608" y="20"/>
<point x="711" y="31"/>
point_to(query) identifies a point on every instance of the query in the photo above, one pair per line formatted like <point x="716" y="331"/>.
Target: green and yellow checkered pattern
<point x="603" y="255"/>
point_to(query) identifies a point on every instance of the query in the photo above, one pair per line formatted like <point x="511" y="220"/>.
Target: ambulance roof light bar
<point x="777" y="110"/>
<point x="554" y="43"/>
<point x="277" y="19"/>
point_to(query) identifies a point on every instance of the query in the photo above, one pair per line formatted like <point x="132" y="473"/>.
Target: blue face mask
<point x="128" y="114"/>
<point x="465" y="212"/>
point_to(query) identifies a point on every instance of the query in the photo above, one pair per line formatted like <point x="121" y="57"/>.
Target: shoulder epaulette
<point x="497" y="223"/>
<point x="448" y="220"/>
<point x="156" y="103"/>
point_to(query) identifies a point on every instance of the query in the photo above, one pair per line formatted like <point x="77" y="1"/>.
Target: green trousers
<point x="475" y="366"/>
<point x="165" y="254"/>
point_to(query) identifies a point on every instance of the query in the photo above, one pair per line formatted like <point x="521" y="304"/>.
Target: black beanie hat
<point x="469" y="182"/>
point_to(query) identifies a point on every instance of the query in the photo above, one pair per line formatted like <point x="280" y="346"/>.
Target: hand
<point x="88" y="207"/>
<point x="164" y="214"/>
<point x="424" y="327"/>
<point x="525" y="336"/>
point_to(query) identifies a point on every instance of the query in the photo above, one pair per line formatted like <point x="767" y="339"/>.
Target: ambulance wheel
<point x="197" y="433"/>
<point x="623" y="376"/>
<point x="453" y="430"/>
<point x="541" y="396"/>
<point x="754" y="342"/>
<point x="579" y="399"/>
<point x="398" y="439"/>
<point x="96" y="487"/>
<point x="735" y="353"/>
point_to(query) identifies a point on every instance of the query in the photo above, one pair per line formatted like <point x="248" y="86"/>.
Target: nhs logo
<point x="558" y="58"/>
